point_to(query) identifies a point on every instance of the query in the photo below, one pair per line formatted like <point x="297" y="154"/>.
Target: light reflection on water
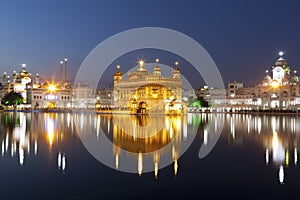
<point x="22" y="135"/>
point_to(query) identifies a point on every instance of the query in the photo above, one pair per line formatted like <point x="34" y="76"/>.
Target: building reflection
<point x="26" y="135"/>
<point x="145" y="134"/>
<point x="23" y="134"/>
<point x="278" y="135"/>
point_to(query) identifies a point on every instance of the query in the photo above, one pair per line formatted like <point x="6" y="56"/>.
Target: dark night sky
<point x="243" y="37"/>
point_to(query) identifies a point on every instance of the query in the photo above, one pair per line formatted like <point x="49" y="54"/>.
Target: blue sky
<point x="243" y="37"/>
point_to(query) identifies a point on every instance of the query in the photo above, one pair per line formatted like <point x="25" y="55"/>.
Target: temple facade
<point x="144" y="92"/>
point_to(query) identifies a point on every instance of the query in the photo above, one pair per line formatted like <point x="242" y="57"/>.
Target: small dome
<point x="23" y="73"/>
<point x="118" y="73"/>
<point x="280" y="62"/>
<point x="141" y="69"/>
<point x="295" y="79"/>
<point x="267" y="79"/>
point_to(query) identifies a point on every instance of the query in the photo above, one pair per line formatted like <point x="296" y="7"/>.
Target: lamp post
<point x="60" y="73"/>
<point x="66" y="61"/>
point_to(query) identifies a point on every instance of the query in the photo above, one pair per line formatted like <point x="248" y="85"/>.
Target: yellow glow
<point x="117" y="161"/>
<point x="50" y="130"/>
<point x="157" y="60"/>
<point x="141" y="63"/>
<point x="156" y="169"/>
<point x="275" y="84"/>
<point x="287" y="158"/>
<point x="176" y="63"/>
<point x="51" y="87"/>
<point x="175" y="167"/>
<point x="140" y="164"/>
<point x="275" y="141"/>
<point x="118" y="66"/>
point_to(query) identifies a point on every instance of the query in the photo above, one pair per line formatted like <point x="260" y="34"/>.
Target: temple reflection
<point x="148" y="138"/>
<point x="145" y="134"/>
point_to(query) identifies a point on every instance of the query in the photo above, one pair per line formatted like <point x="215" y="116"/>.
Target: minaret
<point x="61" y="72"/>
<point x="156" y="71"/>
<point x="65" y="74"/>
<point x="176" y="71"/>
<point x="117" y="75"/>
<point x="14" y="77"/>
<point x="4" y="78"/>
<point x="37" y="79"/>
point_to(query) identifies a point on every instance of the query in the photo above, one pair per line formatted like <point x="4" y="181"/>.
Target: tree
<point x="203" y="102"/>
<point x="12" y="98"/>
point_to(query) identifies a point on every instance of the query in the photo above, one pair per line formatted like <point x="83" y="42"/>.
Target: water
<point x="42" y="156"/>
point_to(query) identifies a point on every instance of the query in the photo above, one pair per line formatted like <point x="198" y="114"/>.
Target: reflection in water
<point x="279" y="135"/>
<point x="27" y="134"/>
<point x="131" y="133"/>
<point x="281" y="174"/>
<point x="26" y="131"/>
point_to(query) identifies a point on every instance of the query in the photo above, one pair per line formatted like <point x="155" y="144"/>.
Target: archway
<point x="51" y="104"/>
<point x="142" y="109"/>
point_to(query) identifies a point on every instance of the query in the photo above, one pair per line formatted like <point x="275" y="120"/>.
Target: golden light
<point x="117" y="161"/>
<point x="156" y="169"/>
<point x="51" y="87"/>
<point x="140" y="164"/>
<point x="175" y="167"/>
<point x="275" y="84"/>
<point x="157" y="60"/>
<point x="141" y="63"/>
<point x="50" y="130"/>
<point x="176" y="63"/>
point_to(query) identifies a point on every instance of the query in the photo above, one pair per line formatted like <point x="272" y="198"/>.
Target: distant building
<point x="144" y="92"/>
<point x="19" y="82"/>
<point x="35" y="93"/>
<point x="83" y="96"/>
<point x="279" y="92"/>
<point x="50" y="96"/>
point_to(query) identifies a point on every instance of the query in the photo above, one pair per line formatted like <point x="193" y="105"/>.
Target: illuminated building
<point x="145" y="92"/>
<point x="281" y="91"/>
<point x="37" y="94"/>
<point x="19" y="82"/>
<point x="83" y="96"/>
<point x="50" y="95"/>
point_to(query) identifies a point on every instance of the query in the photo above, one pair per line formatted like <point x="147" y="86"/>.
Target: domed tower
<point x="176" y="71"/>
<point x="295" y="78"/>
<point x="281" y="70"/>
<point x="37" y="79"/>
<point x="267" y="80"/>
<point x="23" y="76"/>
<point x="118" y="75"/>
<point x="5" y="78"/>
<point x="157" y="71"/>
<point x="14" y="77"/>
